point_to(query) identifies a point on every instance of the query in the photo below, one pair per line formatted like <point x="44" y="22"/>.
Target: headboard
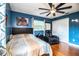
<point x="22" y="31"/>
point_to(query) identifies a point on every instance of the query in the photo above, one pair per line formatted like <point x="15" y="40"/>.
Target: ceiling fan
<point x="53" y="10"/>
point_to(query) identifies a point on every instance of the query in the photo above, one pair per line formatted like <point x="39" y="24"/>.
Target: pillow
<point x="17" y="36"/>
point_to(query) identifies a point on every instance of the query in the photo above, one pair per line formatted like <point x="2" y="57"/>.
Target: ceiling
<point x="32" y="8"/>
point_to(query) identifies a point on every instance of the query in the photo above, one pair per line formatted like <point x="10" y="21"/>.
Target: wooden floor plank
<point x="63" y="49"/>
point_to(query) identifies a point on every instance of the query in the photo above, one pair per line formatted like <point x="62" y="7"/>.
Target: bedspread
<point x="27" y="45"/>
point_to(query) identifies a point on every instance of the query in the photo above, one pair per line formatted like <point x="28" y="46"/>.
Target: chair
<point x="53" y="39"/>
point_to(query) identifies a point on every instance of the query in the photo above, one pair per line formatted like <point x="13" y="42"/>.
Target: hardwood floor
<point x="63" y="49"/>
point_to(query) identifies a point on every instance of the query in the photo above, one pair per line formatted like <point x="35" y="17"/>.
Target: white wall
<point x="61" y="29"/>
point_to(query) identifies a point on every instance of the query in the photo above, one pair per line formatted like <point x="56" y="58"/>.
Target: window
<point x="38" y="25"/>
<point x="47" y="26"/>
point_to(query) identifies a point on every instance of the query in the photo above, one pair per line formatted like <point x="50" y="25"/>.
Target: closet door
<point x="61" y="29"/>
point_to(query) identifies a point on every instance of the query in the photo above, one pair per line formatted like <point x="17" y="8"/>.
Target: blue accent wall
<point x="18" y="14"/>
<point x="73" y="27"/>
<point x="8" y="25"/>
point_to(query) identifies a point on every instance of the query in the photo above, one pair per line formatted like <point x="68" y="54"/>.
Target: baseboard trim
<point x="76" y="46"/>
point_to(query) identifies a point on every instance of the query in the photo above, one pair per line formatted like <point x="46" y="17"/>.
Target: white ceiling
<point x="32" y="8"/>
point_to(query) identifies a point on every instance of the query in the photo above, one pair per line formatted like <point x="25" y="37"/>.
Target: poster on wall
<point x="22" y="21"/>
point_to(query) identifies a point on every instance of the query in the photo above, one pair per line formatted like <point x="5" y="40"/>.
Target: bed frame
<point x="22" y="31"/>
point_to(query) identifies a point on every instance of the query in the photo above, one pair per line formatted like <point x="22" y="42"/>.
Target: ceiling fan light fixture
<point x="53" y="11"/>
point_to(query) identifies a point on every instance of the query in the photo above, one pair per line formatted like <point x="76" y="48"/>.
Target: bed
<point x="22" y="44"/>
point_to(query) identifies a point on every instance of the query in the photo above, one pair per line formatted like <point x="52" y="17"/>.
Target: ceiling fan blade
<point x="54" y="14"/>
<point x="60" y="5"/>
<point x="43" y="12"/>
<point x="50" y="4"/>
<point x="65" y="8"/>
<point x="43" y="9"/>
<point x="47" y="14"/>
<point x="60" y="11"/>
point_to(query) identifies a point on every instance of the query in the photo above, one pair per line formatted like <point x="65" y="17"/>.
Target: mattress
<point x="27" y="45"/>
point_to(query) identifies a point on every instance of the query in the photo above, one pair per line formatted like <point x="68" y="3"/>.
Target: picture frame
<point x="22" y="21"/>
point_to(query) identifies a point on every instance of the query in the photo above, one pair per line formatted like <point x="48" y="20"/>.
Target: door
<point x="61" y="29"/>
